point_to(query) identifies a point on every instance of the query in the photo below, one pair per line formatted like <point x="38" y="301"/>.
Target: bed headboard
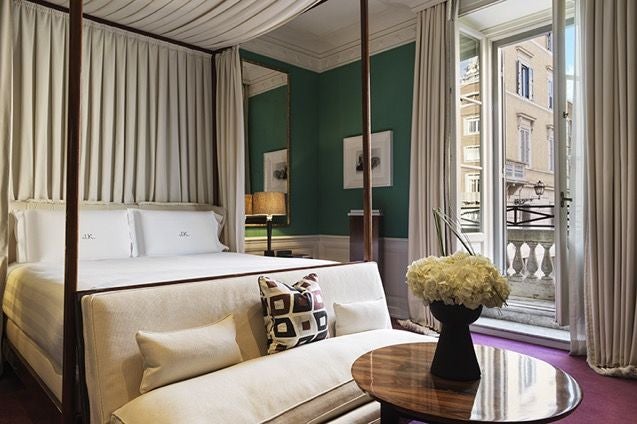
<point x="60" y="205"/>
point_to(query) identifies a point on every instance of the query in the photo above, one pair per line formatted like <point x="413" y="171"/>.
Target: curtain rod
<point x="124" y="27"/>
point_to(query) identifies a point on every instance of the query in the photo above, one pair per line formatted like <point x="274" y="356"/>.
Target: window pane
<point x="469" y="145"/>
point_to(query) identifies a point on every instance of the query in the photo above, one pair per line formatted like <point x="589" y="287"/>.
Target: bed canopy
<point x="207" y="26"/>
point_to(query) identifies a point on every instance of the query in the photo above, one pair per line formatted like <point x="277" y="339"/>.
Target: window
<point x="551" y="148"/>
<point x="472" y="125"/>
<point x="472" y="188"/>
<point x="549" y="41"/>
<point x="550" y="91"/>
<point x="525" y="80"/>
<point x="472" y="153"/>
<point x="514" y="170"/>
<point x="525" y="145"/>
<point x="468" y="144"/>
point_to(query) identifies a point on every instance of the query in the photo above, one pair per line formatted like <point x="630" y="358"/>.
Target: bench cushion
<point x="312" y="383"/>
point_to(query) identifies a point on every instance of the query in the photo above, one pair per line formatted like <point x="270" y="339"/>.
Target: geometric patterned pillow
<point x="293" y="315"/>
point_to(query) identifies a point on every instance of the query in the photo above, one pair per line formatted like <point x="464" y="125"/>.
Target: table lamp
<point x="268" y="203"/>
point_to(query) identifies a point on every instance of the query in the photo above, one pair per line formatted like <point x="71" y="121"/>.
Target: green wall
<point x="325" y="108"/>
<point x="267" y="129"/>
<point x="340" y="116"/>
<point x="303" y="152"/>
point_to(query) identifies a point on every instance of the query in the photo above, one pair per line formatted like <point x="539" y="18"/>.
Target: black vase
<point x="455" y="357"/>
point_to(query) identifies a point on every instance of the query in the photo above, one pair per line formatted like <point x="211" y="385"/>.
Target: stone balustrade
<point x="530" y="254"/>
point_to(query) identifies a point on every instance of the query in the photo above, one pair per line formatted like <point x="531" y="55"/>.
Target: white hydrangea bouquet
<point x="463" y="278"/>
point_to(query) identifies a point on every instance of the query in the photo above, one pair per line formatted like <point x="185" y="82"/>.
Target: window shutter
<point x="530" y="83"/>
<point x="518" y="70"/>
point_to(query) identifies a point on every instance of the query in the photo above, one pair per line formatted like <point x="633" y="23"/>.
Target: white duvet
<point x="34" y="293"/>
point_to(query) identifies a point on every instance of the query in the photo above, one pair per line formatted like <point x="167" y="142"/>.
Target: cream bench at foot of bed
<point x="309" y="384"/>
<point x="303" y="382"/>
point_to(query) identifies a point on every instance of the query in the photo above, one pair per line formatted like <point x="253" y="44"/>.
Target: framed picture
<point x="382" y="168"/>
<point x="275" y="171"/>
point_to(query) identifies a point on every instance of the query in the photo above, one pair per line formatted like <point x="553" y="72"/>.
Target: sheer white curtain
<point x="6" y="72"/>
<point x="610" y="95"/>
<point x="577" y="212"/>
<point x="146" y="114"/>
<point x="231" y="145"/>
<point x="430" y="138"/>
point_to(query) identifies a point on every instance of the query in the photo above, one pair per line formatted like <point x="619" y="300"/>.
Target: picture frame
<point x="382" y="160"/>
<point x="275" y="171"/>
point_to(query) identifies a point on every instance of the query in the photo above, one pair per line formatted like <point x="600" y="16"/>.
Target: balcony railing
<point x="530" y="247"/>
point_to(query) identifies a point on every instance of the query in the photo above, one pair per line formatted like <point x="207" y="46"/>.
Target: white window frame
<point x="471" y="154"/>
<point x="481" y="241"/>
<point x="551" y="150"/>
<point x="520" y="65"/>
<point x="469" y="122"/>
<point x="551" y="99"/>
<point x="525" y="148"/>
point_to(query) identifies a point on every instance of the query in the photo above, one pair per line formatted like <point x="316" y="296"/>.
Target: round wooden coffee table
<point x="513" y="387"/>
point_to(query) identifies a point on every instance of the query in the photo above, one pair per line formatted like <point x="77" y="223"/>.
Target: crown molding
<point x="386" y="39"/>
<point x="267" y="83"/>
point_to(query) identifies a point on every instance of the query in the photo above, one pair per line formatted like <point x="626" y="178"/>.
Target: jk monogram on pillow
<point x="294" y="315"/>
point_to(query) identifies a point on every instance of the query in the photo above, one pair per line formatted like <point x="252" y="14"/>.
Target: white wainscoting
<point x="336" y="248"/>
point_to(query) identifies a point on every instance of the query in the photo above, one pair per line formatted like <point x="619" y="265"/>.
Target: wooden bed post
<point x="72" y="215"/>
<point x="367" y="149"/>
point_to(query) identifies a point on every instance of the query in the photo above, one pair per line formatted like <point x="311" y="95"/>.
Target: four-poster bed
<point x="72" y="326"/>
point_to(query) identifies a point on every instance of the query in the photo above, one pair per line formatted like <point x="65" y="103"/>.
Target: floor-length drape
<point x="231" y="145"/>
<point x="146" y="114"/>
<point x="610" y="84"/>
<point x="430" y="141"/>
<point x="6" y="73"/>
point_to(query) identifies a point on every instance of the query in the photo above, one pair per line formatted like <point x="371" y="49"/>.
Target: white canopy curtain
<point x="146" y="114"/>
<point x="610" y="96"/>
<point x="212" y="24"/>
<point x="430" y="138"/>
<point x="231" y="145"/>
<point x="6" y="72"/>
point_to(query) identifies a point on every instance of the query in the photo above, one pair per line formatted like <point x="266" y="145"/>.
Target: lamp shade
<point x="248" y="204"/>
<point x="268" y="203"/>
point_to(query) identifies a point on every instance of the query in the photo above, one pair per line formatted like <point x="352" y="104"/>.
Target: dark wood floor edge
<point x="28" y="376"/>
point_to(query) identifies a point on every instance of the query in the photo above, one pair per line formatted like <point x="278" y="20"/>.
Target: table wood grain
<point x="513" y="388"/>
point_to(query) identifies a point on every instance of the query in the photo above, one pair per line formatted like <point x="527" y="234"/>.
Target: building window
<point x="525" y="80"/>
<point x="472" y="125"/>
<point x="472" y="188"/>
<point x="551" y="149"/>
<point x="550" y="91"/>
<point x="549" y="41"/>
<point x="472" y="153"/>
<point x="525" y="145"/>
<point x="514" y="170"/>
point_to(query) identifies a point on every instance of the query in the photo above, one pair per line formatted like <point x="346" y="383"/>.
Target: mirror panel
<point x="267" y="124"/>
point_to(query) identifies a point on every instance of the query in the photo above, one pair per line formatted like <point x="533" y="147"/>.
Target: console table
<point x="513" y="387"/>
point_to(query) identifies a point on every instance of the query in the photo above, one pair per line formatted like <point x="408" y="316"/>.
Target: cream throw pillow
<point x="178" y="355"/>
<point x="361" y="316"/>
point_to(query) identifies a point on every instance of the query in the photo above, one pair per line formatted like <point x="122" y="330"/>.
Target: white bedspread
<point x="34" y="293"/>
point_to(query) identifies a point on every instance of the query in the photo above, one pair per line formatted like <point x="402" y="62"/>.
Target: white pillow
<point x="40" y="235"/>
<point x="361" y="316"/>
<point x="178" y="355"/>
<point x="173" y="233"/>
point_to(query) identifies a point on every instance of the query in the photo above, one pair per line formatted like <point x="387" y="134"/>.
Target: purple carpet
<point x="606" y="400"/>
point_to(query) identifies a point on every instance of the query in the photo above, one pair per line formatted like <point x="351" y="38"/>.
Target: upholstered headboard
<point x="59" y="205"/>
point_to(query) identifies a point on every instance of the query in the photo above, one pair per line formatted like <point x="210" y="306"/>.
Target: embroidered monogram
<point x="88" y="236"/>
<point x="184" y="234"/>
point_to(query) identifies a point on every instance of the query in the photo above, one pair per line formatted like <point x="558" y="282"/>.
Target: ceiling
<point x="336" y="23"/>
<point x="329" y="34"/>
